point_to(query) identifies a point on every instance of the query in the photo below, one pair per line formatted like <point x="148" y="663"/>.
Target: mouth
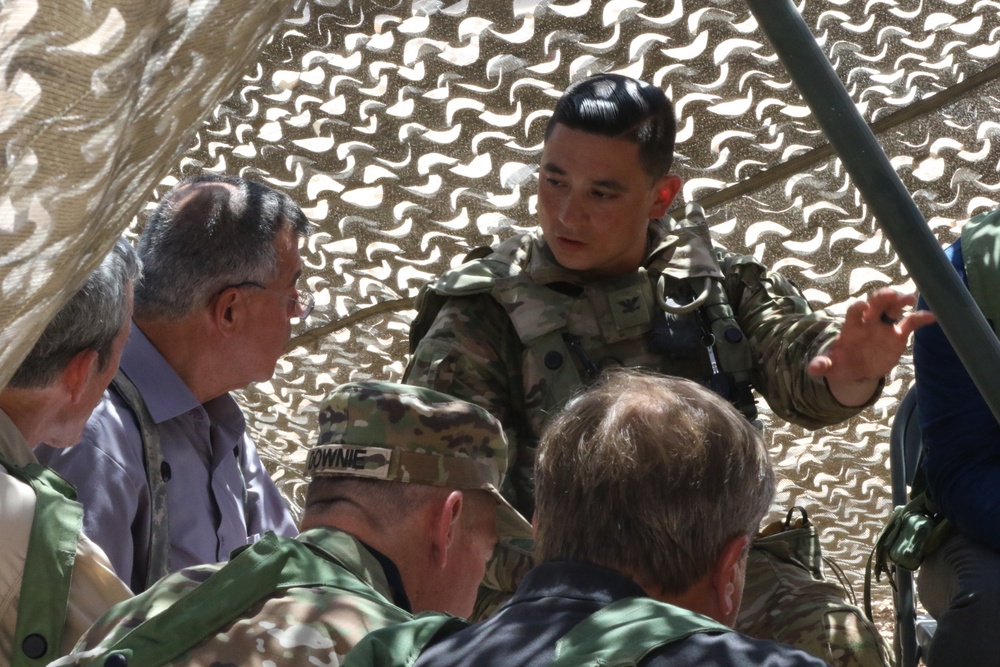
<point x="570" y="244"/>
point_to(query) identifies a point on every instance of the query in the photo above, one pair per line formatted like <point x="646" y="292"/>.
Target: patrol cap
<point x="395" y="432"/>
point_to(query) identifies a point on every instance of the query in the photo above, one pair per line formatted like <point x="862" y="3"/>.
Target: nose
<point x="571" y="211"/>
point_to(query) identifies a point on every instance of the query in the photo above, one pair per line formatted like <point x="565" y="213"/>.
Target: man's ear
<point x="666" y="188"/>
<point x="728" y="577"/>
<point x="447" y="515"/>
<point x="226" y="310"/>
<point x="81" y="368"/>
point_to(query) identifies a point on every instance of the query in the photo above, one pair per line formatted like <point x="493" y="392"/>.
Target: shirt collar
<point x="162" y="389"/>
<point x="577" y="580"/>
<point x="165" y="393"/>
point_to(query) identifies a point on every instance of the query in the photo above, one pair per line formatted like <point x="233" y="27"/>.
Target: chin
<point x="574" y="263"/>
<point x="265" y="374"/>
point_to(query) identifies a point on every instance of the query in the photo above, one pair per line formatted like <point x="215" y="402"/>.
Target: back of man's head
<point x="649" y="475"/>
<point x="90" y="320"/>
<point x="208" y="233"/>
<point x="616" y="106"/>
<point x="396" y="458"/>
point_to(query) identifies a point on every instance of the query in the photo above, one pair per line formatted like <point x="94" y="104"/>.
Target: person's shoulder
<point x="110" y="441"/>
<point x="17" y="511"/>
<point x="341" y="609"/>
<point x="483" y="267"/>
<point x="111" y="426"/>
<point x="731" y="649"/>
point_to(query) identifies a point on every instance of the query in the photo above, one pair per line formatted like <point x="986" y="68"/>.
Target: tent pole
<point x="893" y="208"/>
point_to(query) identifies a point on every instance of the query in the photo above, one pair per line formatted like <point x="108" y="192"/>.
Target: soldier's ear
<point x="445" y="527"/>
<point x="666" y="189"/>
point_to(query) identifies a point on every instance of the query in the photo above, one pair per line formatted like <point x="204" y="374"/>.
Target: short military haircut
<point x="386" y="502"/>
<point x="650" y="476"/>
<point x="208" y="233"/>
<point x="616" y="106"/>
<point x="91" y="320"/>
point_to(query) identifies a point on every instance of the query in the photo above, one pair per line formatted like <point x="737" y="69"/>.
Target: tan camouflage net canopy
<point x="410" y="131"/>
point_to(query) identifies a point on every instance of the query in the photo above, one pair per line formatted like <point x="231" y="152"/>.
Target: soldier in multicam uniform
<point x="401" y="515"/>
<point x="607" y="280"/>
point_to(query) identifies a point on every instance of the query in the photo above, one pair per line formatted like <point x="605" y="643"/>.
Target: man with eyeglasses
<point x="166" y="472"/>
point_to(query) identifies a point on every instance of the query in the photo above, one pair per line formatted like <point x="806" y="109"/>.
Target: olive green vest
<point x="255" y="572"/>
<point x="981" y="255"/>
<point x="48" y="566"/>
<point x="623" y="633"/>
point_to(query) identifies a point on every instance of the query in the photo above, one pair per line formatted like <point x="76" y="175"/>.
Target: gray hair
<point x="651" y="476"/>
<point x="91" y="320"/>
<point x="208" y="233"/>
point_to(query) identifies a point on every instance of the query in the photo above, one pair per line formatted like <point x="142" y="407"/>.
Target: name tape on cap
<point x="349" y="460"/>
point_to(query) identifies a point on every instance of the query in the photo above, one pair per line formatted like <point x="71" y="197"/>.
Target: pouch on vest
<point x="789" y="598"/>
<point x="914" y="531"/>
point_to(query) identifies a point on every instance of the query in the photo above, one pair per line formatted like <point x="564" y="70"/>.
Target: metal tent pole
<point x="904" y="226"/>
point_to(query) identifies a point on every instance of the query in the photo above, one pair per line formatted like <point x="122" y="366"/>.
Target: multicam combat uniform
<point x="337" y="592"/>
<point x="518" y="333"/>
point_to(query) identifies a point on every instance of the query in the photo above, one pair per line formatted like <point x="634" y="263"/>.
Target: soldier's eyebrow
<point x="607" y="184"/>
<point x="554" y="168"/>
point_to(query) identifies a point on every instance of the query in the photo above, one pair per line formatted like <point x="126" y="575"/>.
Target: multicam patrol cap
<point x="395" y="432"/>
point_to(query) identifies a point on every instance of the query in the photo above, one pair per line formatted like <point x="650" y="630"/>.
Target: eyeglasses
<point x="304" y="301"/>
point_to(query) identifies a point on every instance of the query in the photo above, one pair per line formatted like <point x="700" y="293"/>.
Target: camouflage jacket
<point x="306" y="619"/>
<point x="494" y="308"/>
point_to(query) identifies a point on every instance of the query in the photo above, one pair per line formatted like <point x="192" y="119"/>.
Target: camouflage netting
<point x="410" y="132"/>
<point x="98" y="100"/>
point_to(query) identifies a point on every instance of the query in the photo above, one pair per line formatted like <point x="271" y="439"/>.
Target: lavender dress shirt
<point x="219" y="495"/>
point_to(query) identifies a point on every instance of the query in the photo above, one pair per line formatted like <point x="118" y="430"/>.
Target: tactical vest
<point x="158" y="564"/>
<point x="981" y="255"/>
<point x="255" y="572"/>
<point x="623" y="633"/>
<point x="672" y="315"/>
<point x="48" y="566"/>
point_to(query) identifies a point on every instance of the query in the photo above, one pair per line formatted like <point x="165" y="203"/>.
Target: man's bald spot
<point x="201" y="199"/>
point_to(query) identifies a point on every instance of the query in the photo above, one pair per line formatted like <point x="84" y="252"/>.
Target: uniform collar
<point x="367" y="564"/>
